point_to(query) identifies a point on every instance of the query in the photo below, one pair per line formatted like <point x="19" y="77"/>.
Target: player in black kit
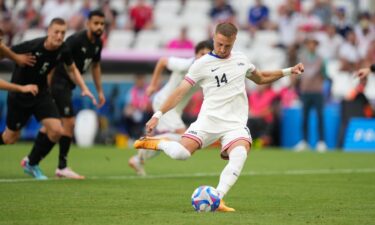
<point x="86" y="49"/>
<point x="48" y="51"/>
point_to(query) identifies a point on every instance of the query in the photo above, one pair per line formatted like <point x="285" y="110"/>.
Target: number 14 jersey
<point x="225" y="105"/>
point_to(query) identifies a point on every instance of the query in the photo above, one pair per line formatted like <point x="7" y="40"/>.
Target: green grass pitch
<point x="276" y="187"/>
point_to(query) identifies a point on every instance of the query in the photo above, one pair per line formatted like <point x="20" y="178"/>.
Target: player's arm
<point x="171" y="102"/>
<point x="77" y="78"/>
<point x="156" y="76"/>
<point x="265" y="77"/>
<point x="30" y="88"/>
<point x="364" y="72"/>
<point x="96" y="75"/>
<point x="20" y="59"/>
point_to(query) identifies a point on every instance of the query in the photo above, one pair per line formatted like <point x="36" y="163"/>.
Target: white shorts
<point x="227" y="138"/>
<point x="170" y="121"/>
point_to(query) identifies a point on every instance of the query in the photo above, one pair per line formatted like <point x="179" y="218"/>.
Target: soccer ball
<point x="205" y="199"/>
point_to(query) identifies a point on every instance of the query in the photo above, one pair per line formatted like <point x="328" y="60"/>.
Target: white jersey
<point x="179" y="68"/>
<point x="225" y="105"/>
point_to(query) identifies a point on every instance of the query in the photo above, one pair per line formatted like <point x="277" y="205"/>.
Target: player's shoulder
<point x="203" y="60"/>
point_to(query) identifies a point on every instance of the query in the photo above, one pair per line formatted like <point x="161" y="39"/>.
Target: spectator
<point x="323" y="10"/>
<point x="56" y="8"/>
<point x="29" y="16"/>
<point x="77" y="21"/>
<point x="110" y="15"/>
<point x="262" y="114"/>
<point x="258" y="17"/>
<point x="311" y="88"/>
<point x="222" y="11"/>
<point x="329" y="43"/>
<point x="309" y="22"/>
<point x="288" y="24"/>
<point x="341" y="23"/>
<point x="365" y="33"/>
<point x="349" y="54"/>
<point x="138" y="108"/>
<point x="182" y="42"/>
<point x="9" y="28"/>
<point x="141" y="16"/>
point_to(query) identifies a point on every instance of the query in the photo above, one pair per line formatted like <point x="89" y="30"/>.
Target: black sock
<point x="1" y="139"/>
<point x="64" y="142"/>
<point x="42" y="146"/>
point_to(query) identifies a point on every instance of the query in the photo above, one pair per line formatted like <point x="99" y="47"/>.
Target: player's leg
<point x="176" y="150"/>
<point x="17" y="116"/>
<point x="46" y="112"/>
<point x="137" y="161"/>
<point x="63" y="100"/>
<point x="9" y="136"/>
<point x="64" y="146"/>
<point x="236" y="145"/>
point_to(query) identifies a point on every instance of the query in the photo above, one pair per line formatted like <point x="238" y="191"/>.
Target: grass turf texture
<point x="276" y="187"/>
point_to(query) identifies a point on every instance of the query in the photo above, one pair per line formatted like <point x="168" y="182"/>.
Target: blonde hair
<point x="226" y="29"/>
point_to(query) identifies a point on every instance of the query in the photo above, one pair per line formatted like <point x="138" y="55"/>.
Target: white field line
<point x="260" y="173"/>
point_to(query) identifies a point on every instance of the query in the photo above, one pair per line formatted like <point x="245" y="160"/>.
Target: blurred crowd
<point x="315" y="32"/>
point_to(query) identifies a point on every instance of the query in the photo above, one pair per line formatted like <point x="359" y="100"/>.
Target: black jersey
<point x="84" y="52"/>
<point x="46" y="60"/>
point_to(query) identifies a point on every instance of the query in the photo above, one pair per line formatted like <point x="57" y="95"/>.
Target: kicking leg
<point x="137" y="161"/>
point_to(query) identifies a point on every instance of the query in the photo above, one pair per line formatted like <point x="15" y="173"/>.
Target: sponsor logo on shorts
<point x="193" y="132"/>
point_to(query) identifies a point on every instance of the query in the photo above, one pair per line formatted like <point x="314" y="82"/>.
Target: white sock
<point x="144" y="154"/>
<point x="231" y="172"/>
<point x="174" y="150"/>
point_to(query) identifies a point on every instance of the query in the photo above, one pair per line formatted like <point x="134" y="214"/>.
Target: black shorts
<point x="63" y="100"/>
<point x="19" y="112"/>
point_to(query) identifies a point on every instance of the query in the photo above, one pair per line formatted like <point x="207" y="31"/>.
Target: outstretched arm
<point x="30" y="88"/>
<point x="155" y="80"/>
<point x="20" y="59"/>
<point x="77" y="78"/>
<point x="265" y="77"/>
<point x="364" y="72"/>
<point x="96" y="75"/>
<point x="173" y="99"/>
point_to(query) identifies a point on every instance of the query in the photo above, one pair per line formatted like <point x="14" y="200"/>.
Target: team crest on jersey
<point x="96" y="50"/>
<point x="83" y="49"/>
<point x="240" y="64"/>
<point x="38" y="54"/>
<point x="58" y="57"/>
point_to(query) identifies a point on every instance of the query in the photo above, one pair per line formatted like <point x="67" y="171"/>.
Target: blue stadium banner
<point x="360" y="135"/>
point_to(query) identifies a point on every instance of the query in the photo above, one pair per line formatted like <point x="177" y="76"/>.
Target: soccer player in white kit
<point x="170" y="125"/>
<point x="224" y="112"/>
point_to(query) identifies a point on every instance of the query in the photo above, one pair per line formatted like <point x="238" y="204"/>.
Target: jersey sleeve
<point x="178" y="64"/>
<point x="194" y="74"/>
